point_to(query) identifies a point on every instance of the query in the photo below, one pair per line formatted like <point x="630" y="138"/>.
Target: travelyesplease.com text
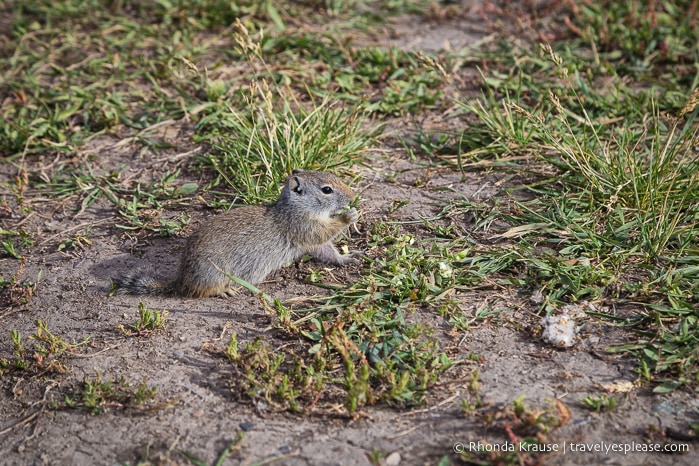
<point x="607" y="448"/>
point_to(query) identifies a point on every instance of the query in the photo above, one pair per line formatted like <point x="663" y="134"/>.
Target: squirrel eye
<point x="326" y="190"/>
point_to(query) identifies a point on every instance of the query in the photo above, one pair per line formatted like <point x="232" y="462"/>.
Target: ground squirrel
<point x="250" y="242"/>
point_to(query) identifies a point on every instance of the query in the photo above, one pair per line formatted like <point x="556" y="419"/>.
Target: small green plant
<point x="357" y="384"/>
<point x="49" y="347"/>
<point x="232" y="351"/>
<point x="18" y="351"/>
<point x="16" y="240"/>
<point x="97" y="395"/>
<point x="474" y="401"/>
<point x="280" y="377"/>
<point x="530" y="422"/>
<point x="150" y="320"/>
<point x="46" y="350"/>
<point x="376" y="456"/>
<point x="177" y="225"/>
<point x="397" y="204"/>
<point x="315" y="276"/>
<point x="599" y="403"/>
<point x="525" y="428"/>
<point x="9" y="248"/>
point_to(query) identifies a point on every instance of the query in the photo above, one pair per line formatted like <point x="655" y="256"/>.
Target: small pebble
<point x="664" y="407"/>
<point x="393" y="459"/>
<point x="246" y="426"/>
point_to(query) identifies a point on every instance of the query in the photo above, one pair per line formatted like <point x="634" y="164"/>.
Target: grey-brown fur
<point x="251" y="242"/>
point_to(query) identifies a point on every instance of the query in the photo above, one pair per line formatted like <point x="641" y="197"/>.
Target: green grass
<point x="641" y="35"/>
<point x="249" y="127"/>
<point x="391" y="81"/>
<point x="597" y="135"/>
<point x="607" y="205"/>
<point x="599" y="132"/>
<point x="358" y="342"/>
<point x="79" y="96"/>
<point x="97" y="396"/>
<point x="141" y="206"/>
<point x="255" y="150"/>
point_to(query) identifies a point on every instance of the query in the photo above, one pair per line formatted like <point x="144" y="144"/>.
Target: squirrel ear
<point x="295" y="184"/>
<point x="295" y="171"/>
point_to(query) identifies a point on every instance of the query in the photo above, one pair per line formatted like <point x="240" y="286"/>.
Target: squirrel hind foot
<point x="229" y="292"/>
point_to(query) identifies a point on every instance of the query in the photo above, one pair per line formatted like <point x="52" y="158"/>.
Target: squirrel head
<point x="317" y="193"/>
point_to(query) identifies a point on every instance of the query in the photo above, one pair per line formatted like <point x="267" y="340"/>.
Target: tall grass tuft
<point x="257" y="148"/>
<point x="257" y="145"/>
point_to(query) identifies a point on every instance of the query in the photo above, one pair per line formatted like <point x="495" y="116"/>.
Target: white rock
<point x="392" y="460"/>
<point x="559" y="330"/>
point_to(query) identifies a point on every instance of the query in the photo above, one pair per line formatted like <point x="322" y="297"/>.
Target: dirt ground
<point x="204" y="417"/>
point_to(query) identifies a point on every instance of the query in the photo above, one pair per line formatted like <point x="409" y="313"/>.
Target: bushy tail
<point x="139" y="282"/>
